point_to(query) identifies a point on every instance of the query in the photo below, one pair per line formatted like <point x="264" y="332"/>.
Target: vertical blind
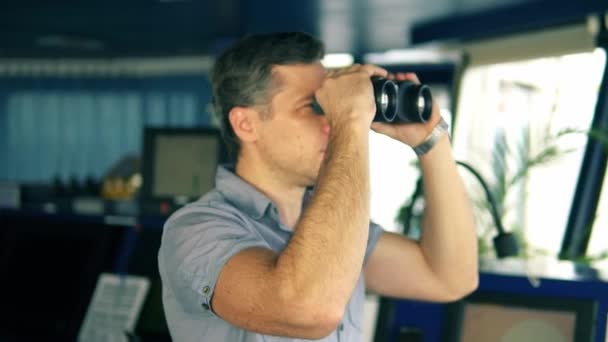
<point x="78" y="126"/>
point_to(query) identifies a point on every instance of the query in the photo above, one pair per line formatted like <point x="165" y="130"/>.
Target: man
<point x="260" y="258"/>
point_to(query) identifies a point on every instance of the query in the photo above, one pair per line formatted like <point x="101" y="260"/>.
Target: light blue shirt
<point x="201" y="237"/>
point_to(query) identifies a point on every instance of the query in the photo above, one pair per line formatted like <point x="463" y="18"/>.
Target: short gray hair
<point x="242" y="74"/>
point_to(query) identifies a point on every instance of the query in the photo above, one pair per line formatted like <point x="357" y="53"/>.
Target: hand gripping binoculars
<point x="398" y="101"/>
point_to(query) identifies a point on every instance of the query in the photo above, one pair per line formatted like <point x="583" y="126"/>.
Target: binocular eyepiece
<point x="398" y="101"/>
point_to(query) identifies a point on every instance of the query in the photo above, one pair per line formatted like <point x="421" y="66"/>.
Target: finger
<point x="344" y="70"/>
<point x="381" y="128"/>
<point x="412" y="77"/>
<point x="401" y="76"/>
<point x="334" y="72"/>
<point x="373" y="70"/>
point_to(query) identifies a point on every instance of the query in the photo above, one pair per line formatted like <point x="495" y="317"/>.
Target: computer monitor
<point x="507" y="317"/>
<point x="179" y="162"/>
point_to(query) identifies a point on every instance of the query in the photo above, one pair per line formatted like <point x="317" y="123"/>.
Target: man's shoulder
<point x="211" y="206"/>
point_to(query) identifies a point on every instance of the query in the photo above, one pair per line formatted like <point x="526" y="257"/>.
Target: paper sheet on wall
<point x="114" y="308"/>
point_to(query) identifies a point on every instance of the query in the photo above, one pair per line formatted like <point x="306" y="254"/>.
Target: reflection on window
<point x="393" y="172"/>
<point x="519" y="124"/>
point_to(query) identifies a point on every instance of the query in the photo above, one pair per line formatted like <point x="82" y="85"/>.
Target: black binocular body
<point x="398" y="101"/>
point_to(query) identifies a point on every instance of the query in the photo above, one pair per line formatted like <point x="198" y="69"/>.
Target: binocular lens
<point x="383" y="102"/>
<point x="421" y="104"/>
<point x="401" y="101"/>
<point x="386" y="95"/>
<point x="424" y="103"/>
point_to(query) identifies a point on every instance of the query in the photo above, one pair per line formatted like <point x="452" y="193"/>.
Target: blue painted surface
<point x="80" y="127"/>
<point x="566" y="280"/>
<point x="521" y="17"/>
<point x="589" y="185"/>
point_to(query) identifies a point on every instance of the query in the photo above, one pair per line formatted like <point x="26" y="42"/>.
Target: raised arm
<point x="442" y="266"/>
<point x="303" y="291"/>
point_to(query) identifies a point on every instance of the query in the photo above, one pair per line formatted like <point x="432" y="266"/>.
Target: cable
<point x="489" y="197"/>
<point x="505" y="244"/>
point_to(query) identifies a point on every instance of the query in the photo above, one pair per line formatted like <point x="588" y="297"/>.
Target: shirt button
<point x="341" y="326"/>
<point x="205" y="306"/>
<point x="206" y="290"/>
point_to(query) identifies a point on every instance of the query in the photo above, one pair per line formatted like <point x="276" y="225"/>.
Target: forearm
<point x="324" y="257"/>
<point x="449" y="240"/>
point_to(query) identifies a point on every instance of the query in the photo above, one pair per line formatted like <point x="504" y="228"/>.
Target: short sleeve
<point x="375" y="231"/>
<point x="195" y="248"/>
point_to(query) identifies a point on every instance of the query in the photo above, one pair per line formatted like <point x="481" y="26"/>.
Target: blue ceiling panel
<point x="504" y="20"/>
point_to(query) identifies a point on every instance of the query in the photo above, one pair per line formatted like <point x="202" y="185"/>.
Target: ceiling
<point x="57" y="28"/>
<point x="116" y="28"/>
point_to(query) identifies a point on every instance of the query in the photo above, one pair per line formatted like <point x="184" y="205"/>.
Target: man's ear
<point x="244" y="123"/>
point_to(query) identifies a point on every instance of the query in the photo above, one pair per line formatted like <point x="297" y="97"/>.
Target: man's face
<point x="294" y="139"/>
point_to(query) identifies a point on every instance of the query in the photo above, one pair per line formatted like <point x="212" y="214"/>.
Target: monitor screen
<point x="491" y="322"/>
<point x="520" y="318"/>
<point x="184" y="165"/>
<point x="179" y="162"/>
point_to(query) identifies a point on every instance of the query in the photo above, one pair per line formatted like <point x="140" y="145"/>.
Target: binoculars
<point x="398" y="101"/>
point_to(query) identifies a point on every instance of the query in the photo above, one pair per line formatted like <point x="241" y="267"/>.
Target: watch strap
<point x="438" y="131"/>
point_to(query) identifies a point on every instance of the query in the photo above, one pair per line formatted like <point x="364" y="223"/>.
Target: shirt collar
<point x="240" y="193"/>
<point x="244" y="195"/>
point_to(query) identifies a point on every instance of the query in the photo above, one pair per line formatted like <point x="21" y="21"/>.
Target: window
<point x="520" y="124"/>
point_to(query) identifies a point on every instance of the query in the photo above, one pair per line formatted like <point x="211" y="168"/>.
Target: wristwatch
<point x="440" y="129"/>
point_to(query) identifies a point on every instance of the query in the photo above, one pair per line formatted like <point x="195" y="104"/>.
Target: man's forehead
<point x="292" y="69"/>
<point x="299" y="76"/>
